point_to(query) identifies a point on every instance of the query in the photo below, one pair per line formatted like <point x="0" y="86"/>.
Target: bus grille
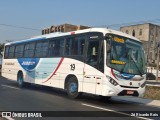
<point x="129" y="87"/>
<point x="124" y="92"/>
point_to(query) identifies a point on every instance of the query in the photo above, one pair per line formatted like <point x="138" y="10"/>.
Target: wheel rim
<point x="73" y="88"/>
<point x="20" y="80"/>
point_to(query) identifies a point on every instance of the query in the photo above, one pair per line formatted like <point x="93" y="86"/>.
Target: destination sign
<point x="120" y="40"/>
<point x="118" y="62"/>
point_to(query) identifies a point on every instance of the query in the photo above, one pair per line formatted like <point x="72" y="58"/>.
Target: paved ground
<point x="39" y="98"/>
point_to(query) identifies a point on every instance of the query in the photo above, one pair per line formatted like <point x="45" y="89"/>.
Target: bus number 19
<point x="73" y="67"/>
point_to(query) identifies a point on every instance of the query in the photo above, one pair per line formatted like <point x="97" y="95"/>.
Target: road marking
<point x="10" y="87"/>
<point x="112" y="111"/>
<point x="9" y="118"/>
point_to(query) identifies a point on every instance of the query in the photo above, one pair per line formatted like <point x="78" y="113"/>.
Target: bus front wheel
<point x="20" y="79"/>
<point x="72" y="88"/>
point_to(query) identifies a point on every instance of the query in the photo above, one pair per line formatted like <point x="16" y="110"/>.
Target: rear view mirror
<point x="108" y="39"/>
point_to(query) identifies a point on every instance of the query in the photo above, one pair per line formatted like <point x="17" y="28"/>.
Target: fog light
<point x="112" y="81"/>
<point x="143" y="84"/>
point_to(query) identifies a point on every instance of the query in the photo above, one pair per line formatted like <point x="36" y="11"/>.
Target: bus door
<point x="92" y="75"/>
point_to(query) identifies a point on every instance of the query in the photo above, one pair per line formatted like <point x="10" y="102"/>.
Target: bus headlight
<point x="112" y="81"/>
<point x="143" y="84"/>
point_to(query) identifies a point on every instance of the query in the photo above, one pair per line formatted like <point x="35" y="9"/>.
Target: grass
<point x="152" y="92"/>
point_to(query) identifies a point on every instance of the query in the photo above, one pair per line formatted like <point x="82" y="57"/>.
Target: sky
<point x="39" y="14"/>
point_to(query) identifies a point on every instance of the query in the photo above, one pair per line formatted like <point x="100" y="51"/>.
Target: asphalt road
<point x="56" y="102"/>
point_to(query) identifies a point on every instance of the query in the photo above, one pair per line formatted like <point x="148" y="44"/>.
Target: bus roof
<point x="58" y="34"/>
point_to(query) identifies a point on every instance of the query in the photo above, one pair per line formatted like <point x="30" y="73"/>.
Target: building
<point x="63" y="28"/>
<point x="149" y="34"/>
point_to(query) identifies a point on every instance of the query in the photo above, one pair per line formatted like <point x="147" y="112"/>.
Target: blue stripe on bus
<point x="28" y="40"/>
<point x="28" y="64"/>
<point x="51" y="35"/>
<point x="36" y="67"/>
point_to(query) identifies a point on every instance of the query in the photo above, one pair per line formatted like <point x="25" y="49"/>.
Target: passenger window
<point x="41" y="49"/>
<point x="74" y="46"/>
<point x="92" y="53"/>
<point x="19" y="51"/>
<point x="11" y="52"/>
<point x="6" y="52"/>
<point x="29" y="50"/>
<point x="56" y="47"/>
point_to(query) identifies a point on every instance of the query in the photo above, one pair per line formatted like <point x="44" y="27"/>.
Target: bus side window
<point x="51" y="48"/>
<point x="75" y="45"/>
<point x="92" y="53"/>
<point x="80" y="42"/>
<point x="56" y="47"/>
<point x="19" y="51"/>
<point x="26" y="50"/>
<point x="29" y="50"/>
<point x="45" y="49"/>
<point x="69" y="47"/>
<point x="41" y="49"/>
<point x="11" y="51"/>
<point x="38" y="49"/>
<point x="6" y="52"/>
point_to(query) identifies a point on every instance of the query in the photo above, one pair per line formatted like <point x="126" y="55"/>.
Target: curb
<point x="154" y="103"/>
<point x="148" y="102"/>
<point x="153" y="85"/>
<point x="153" y="81"/>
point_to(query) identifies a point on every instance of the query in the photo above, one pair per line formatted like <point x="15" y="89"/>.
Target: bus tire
<point x="20" y="80"/>
<point x="72" y="88"/>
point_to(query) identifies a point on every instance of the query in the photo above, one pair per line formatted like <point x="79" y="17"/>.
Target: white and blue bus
<point x="98" y="61"/>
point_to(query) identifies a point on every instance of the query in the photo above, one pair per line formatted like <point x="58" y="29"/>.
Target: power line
<point x="20" y="27"/>
<point x="108" y="26"/>
<point x="129" y="23"/>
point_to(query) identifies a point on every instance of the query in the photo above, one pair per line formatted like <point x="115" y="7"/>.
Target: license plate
<point x="129" y="92"/>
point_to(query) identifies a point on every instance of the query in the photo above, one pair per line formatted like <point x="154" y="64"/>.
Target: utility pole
<point x="158" y="49"/>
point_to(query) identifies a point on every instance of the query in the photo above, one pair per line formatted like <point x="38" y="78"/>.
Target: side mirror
<point x="108" y="39"/>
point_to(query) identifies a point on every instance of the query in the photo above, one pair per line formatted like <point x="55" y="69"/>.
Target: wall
<point x="137" y="28"/>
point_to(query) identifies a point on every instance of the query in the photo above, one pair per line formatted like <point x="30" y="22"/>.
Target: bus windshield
<point x="125" y="55"/>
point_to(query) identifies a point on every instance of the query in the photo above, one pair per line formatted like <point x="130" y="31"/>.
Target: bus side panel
<point x="93" y="80"/>
<point x="71" y="67"/>
<point x="41" y="70"/>
<point x="47" y="72"/>
<point x="10" y="68"/>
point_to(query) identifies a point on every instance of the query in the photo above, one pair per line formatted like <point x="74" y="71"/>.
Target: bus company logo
<point x="28" y="63"/>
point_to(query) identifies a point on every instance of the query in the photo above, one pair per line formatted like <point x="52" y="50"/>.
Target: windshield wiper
<point x="121" y="71"/>
<point x="136" y="66"/>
